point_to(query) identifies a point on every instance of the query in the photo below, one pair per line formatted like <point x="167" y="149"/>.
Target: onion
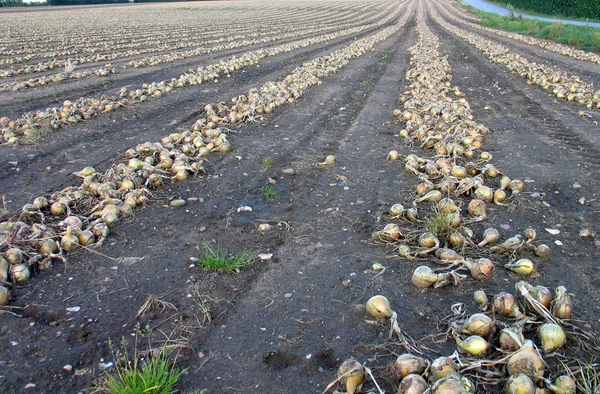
<point x="499" y="196"/>
<point x="490" y="236"/>
<point x="86" y="238"/>
<point x="447" y="186"/>
<point x="490" y="171"/>
<point x="442" y="367"/>
<point x="355" y="375"/>
<point x="530" y="234"/>
<point x="522" y="267"/>
<point x="448" y="254"/>
<point x="541" y="294"/>
<point x="479" y="324"/>
<point x="48" y="246"/>
<point x="404" y="251"/>
<point x="58" y="208"/>
<point x="503" y="303"/>
<point x="481" y="269"/>
<point x="100" y="230"/>
<point x="40" y="203"/>
<point x="543" y="251"/>
<point x="390" y="232"/>
<point x="526" y="361"/>
<point x="396" y="210"/>
<point x="424" y="187"/>
<point x="511" y="338"/>
<point x="552" y="336"/>
<point x="407" y="364"/>
<point x="423" y="277"/>
<point x="393" y="156"/>
<point x="69" y="241"/>
<point x="474" y="345"/>
<point x="454" y="219"/>
<point x="411" y="214"/>
<point x="459" y="171"/>
<point x="433" y="196"/>
<point x="14" y="256"/>
<point x="412" y="384"/>
<point x="447" y="205"/>
<point x="477" y="208"/>
<point x="3" y="269"/>
<point x="504" y="182"/>
<point x="19" y="272"/>
<point x="480" y="297"/>
<point x="111" y="219"/>
<point x="4" y="295"/>
<point x="329" y="161"/>
<point x="516" y="186"/>
<point x="449" y="385"/>
<point x="484" y="193"/>
<point x="520" y="384"/>
<point x="562" y="306"/>
<point x="563" y="384"/>
<point x="428" y="240"/>
<point x="456" y="239"/>
<point x="379" y="306"/>
<point x="71" y="221"/>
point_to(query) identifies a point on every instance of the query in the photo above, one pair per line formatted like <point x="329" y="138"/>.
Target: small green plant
<point x="154" y="375"/>
<point x="365" y="83"/>
<point x="267" y="162"/>
<point x="557" y="29"/>
<point x="386" y="56"/>
<point x="217" y="259"/>
<point x="438" y="223"/>
<point x="269" y="192"/>
<point x="586" y="376"/>
<point x="33" y="132"/>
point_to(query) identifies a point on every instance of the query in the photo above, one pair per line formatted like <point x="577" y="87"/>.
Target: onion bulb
<point x="111" y="219"/>
<point x="449" y="385"/>
<point x="484" y="193"/>
<point x="329" y="161"/>
<point x="442" y="367"/>
<point x="3" y="269"/>
<point x="4" y="295"/>
<point x="407" y="364"/>
<point x="40" y="203"/>
<point x="447" y="205"/>
<point x="562" y="305"/>
<point x="71" y="221"/>
<point x="423" y="277"/>
<point x="48" y="246"/>
<point x="563" y="384"/>
<point x="516" y="186"/>
<point x="542" y="295"/>
<point x="58" y="208"/>
<point x="412" y="384"/>
<point x="393" y="155"/>
<point x="429" y="240"/>
<point x="19" y="272"/>
<point x="490" y="236"/>
<point x="481" y="269"/>
<point x="504" y="182"/>
<point x="511" y="338"/>
<point x="86" y="238"/>
<point x="479" y="324"/>
<point x="530" y="234"/>
<point x="477" y="208"/>
<point x="474" y="345"/>
<point x="526" y="361"/>
<point x="499" y="196"/>
<point x="433" y="196"/>
<point x="411" y="214"/>
<point x="448" y="254"/>
<point x="425" y="187"/>
<point x="480" y="297"/>
<point x="459" y="171"/>
<point x="379" y="306"/>
<point x="456" y="239"/>
<point x="543" y="251"/>
<point x="505" y="304"/>
<point x="520" y="384"/>
<point x="69" y="241"/>
<point x="354" y="375"/>
<point x="522" y="267"/>
<point x="396" y="210"/>
<point x="552" y="336"/>
<point x="14" y="256"/>
<point x="390" y="232"/>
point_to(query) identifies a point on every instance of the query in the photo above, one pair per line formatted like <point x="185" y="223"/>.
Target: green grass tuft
<point x="217" y="259"/>
<point x="269" y="192"/>
<point x="438" y="223"/>
<point x="267" y="162"/>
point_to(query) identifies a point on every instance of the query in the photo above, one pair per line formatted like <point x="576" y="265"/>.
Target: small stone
<point x="585" y="233"/>
<point x="30" y="385"/>
<point x="557" y="242"/>
<point x="289" y="172"/>
<point x="504" y="226"/>
<point x="177" y="203"/>
<point x="244" y="209"/>
<point x="288" y="295"/>
<point x="74" y="309"/>
<point x="68" y="368"/>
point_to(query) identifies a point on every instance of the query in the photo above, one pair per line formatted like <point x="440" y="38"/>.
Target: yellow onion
<point x="3" y="269"/>
<point x="412" y="384"/>
<point x="423" y="277"/>
<point x="542" y="295"/>
<point x="86" y="238"/>
<point x="490" y="236"/>
<point x="474" y="345"/>
<point x="14" y="256"/>
<point x="69" y="241"/>
<point x="4" y="295"/>
<point x="480" y="297"/>
<point x="530" y="234"/>
<point x="456" y="239"/>
<point x="433" y="196"/>
<point x="505" y="304"/>
<point x="396" y="210"/>
<point x="407" y="364"/>
<point x="479" y="324"/>
<point x="562" y="305"/>
<point x="428" y="240"/>
<point x="520" y="384"/>
<point x="511" y="338"/>
<point x="100" y="230"/>
<point x="481" y="269"/>
<point x="411" y="214"/>
<point x="447" y="205"/>
<point x="459" y="171"/>
<point x="48" y="246"/>
<point x="40" y="203"/>
<point x="393" y="155"/>
<point x="504" y="182"/>
<point x="449" y="385"/>
<point x="447" y="254"/>
<point x="19" y="272"/>
<point x="543" y="251"/>
<point x="552" y="336"/>
<point x="442" y="367"/>
<point x="563" y="384"/>
<point x="71" y="221"/>
<point x="499" y="196"/>
<point x="454" y="219"/>
<point x="522" y="267"/>
<point x="490" y="170"/>
<point x="379" y="306"/>
<point x="424" y="187"/>
<point x="516" y="186"/>
<point x="58" y="208"/>
<point x="111" y="219"/>
<point x="390" y="232"/>
<point x="484" y="193"/>
<point x="477" y="208"/>
<point x="354" y="375"/>
<point x="526" y="361"/>
<point x="404" y="251"/>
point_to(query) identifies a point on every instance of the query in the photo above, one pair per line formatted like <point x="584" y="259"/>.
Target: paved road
<point x="489" y="7"/>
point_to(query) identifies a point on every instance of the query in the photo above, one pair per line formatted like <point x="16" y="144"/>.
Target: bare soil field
<point x="285" y="134"/>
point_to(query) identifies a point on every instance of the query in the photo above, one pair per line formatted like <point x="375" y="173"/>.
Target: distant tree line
<point x="569" y="8"/>
<point x="80" y="2"/>
<point x="12" y="3"/>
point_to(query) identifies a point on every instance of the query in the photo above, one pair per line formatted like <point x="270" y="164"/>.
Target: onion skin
<point x="448" y="386"/>
<point x="3" y="269"/>
<point x="526" y="361"/>
<point x="520" y="384"/>
<point x="379" y="306"/>
<point x="412" y="384"/>
<point x="474" y="345"/>
<point x="423" y="277"/>
<point x="479" y="324"/>
<point x="354" y="379"/>
<point x="408" y="364"/>
<point x="442" y="367"/>
<point x="511" y="338"/>
<point x="14" y="256"/>
<point x="19" y="273"/>
<point x="4" y="295"/>
<point x="562" y="306"/>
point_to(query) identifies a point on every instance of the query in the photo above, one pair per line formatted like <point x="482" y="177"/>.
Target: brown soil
<point x="285" y="325"/>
